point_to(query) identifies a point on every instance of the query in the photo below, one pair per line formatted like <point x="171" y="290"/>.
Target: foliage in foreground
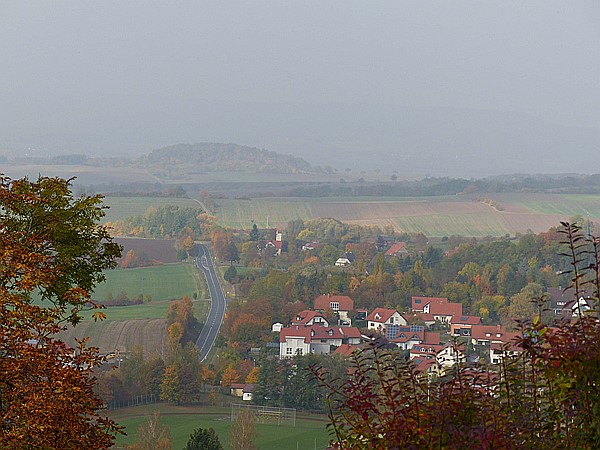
<point x="204" y="439"/>
<point x="548" y="397"/>
<point x="50" y="245"/>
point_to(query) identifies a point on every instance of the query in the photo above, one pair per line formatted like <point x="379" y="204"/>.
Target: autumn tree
<point x="51" y="246"/>
<point x="152" y="435"/>
<point x="243" y="432"/>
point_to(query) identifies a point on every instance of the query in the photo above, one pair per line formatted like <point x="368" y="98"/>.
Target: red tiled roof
<point x="317" y="332"/>
<point x="346" y="349"/>
<point x="423" y="364"/>
<point x="303" y="317"/>
<point x="466" y="320"/>
<point x="426" y="349"/>
<point x="323" y="302"/>
<point x="350" y="332"/>
<point x="496" y="333"/>
<point x="419" y="302"/>
<point x="445" y="309"/>
<point x="382" y="313"/>
<point x="295" y="331"/>
<point x="398" y="246"/>
<point x="431" y="338"/>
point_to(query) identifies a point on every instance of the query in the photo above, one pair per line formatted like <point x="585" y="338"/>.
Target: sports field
<point x="309" y="434"/>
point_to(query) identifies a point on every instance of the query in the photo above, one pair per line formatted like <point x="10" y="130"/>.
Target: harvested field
<point x="128" y="326"/>
<point x="435" y="216"/>
<point x="122" y="336"/>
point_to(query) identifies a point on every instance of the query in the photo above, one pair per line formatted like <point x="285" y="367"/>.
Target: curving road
<point x="209" y="332"/>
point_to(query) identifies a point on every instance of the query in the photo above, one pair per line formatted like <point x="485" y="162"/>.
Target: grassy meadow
<point x="309" y="433"/>
<point x="164" y="282"/>
<point x="121" y="208"/>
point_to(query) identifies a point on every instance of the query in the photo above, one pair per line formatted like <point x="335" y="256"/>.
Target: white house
<point x="380" y="318"/>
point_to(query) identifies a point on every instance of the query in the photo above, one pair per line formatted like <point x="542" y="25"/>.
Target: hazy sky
<point x="340" y="82"/>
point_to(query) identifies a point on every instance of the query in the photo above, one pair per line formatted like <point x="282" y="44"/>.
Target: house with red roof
<point x="485" y="335"/>
<point x="436" y="309"/>
<point x="406" y="337"/>
<point x="450" y="355"/>
<point x="380" y="318"/>
<point x="461" y="325"/>
<point x="346" y="350"/>
<point x="423" y="304"/>
<point x="500" y="351"/>
<point x="445" y="356"/>
<point x="427" y="351"/>
<point x="398" y="249"/>
<point x="300" y="340"/>
<point x="341" y="304"/>
<point x="308" y="317"/>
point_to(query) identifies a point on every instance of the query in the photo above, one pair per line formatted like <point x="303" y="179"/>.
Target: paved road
<point x="214" y="320"/>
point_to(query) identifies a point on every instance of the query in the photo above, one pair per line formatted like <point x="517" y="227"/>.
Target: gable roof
<point x="418" y="302"/>
<point x="308" y="333"/>
<point x="426" y="349"/>
<point x="324" y="301"/>
<point x="465" y="320"/>
<point x="381" y="315"/>
<point x="496" y="333"/>
<point x="398" y="247"/>
<point x="346" y="349"/>
<point x="446" y="309"/>
<point x="305" y="316"/>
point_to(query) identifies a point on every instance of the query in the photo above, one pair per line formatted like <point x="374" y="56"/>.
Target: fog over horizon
<point x="461" y="88"/>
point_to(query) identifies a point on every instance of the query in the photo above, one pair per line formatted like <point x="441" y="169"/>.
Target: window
<point x="392" y="319"/>
<point x="335" y="306"/>
<point x="299" y="351"/>
<point x="288" y="351"/>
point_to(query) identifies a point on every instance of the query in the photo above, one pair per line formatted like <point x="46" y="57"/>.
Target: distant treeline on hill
<point x="211" y="157"/>
<point x="197" y="158"/>
<point x="581" y="184"/>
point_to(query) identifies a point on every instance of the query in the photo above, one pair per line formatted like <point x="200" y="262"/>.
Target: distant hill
<point x="213" y="157"/>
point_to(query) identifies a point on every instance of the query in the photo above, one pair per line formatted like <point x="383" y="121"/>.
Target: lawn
<point x="309" y="433"/>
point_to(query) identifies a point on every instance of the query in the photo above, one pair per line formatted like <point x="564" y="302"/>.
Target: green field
<point x="567" y="205"/>
<point x="309" y="433"/>
<point x="163" y="282"/>
<point x="466" y="215"/>
<point x="121" y="208"/>
<point x="144" y="324"/>
<point x="242" y="213"/>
